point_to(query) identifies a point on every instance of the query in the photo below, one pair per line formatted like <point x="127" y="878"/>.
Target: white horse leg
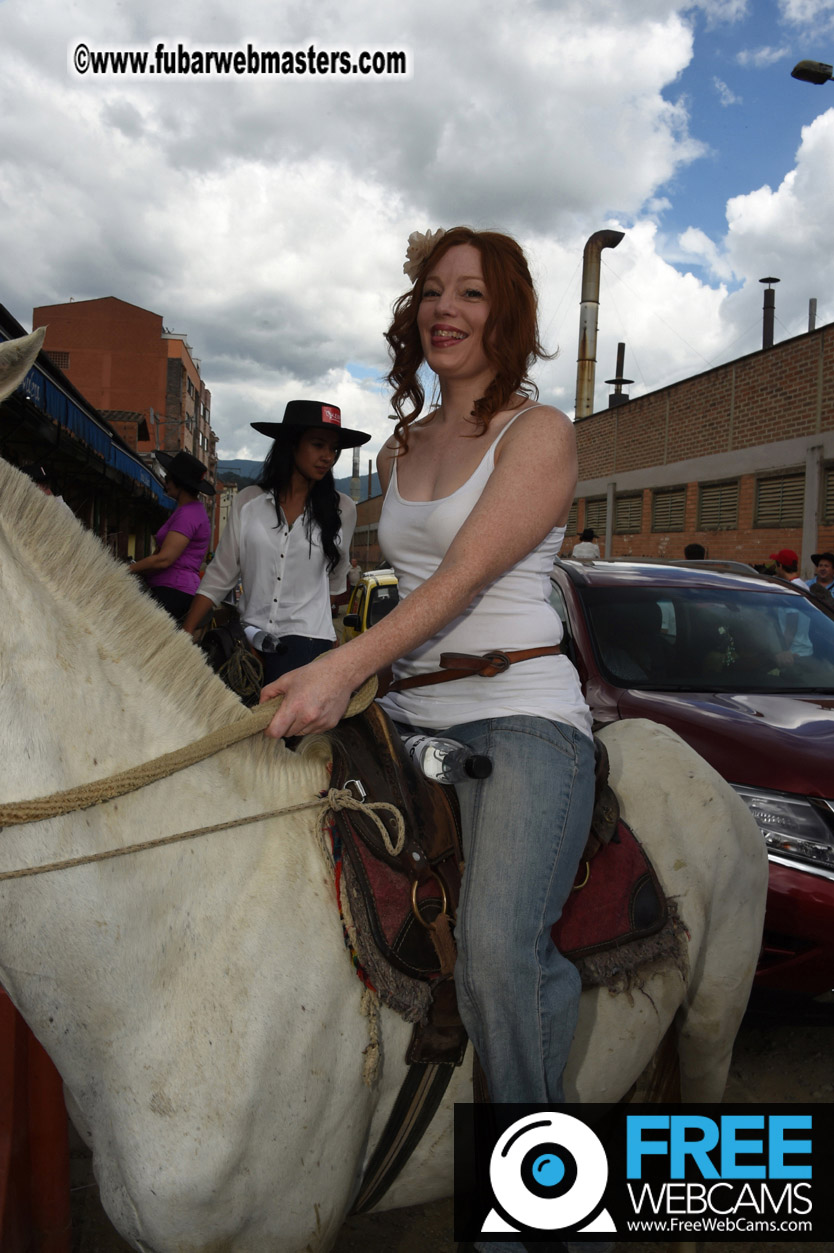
<point x="712" y="861"/>
<point x="723" y="973"/>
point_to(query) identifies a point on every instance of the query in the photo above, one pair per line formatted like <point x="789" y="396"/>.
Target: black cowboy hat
<point x="588" y="534"/>
<point x="818" y="557"/>
<point x="186" y="471"/>
<point x="312" y="415"/>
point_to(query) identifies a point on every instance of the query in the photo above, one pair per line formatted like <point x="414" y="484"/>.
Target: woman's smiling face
<point x="453" y="312"/>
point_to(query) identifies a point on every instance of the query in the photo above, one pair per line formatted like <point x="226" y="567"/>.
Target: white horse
<point x="197" y="998"/>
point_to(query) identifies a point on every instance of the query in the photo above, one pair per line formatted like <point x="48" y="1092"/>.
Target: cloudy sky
<point x="267" y="216"/>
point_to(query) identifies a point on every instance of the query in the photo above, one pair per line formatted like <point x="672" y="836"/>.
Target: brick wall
<point x="781" y="395"/>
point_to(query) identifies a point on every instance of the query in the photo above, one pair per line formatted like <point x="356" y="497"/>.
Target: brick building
<point x="142" y="377"/>
<point x="739" y="458"/>
<point x="48" y="422"/>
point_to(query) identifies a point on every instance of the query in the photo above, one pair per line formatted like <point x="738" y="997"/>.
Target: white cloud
<point x="814" y="14"/>
<point x="698" y="247"/>
<point x="268" y="218"/>
<point x="720" y="11"/>
<point x="761" y="58"/>
<point x="726" y="96"/>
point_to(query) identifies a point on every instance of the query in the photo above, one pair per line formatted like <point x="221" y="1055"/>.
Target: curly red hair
<point x="511" y="333"/>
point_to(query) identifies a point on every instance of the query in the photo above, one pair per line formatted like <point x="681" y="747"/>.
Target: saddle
<point x="398" y="910"/>
<point x="403" y="903"/>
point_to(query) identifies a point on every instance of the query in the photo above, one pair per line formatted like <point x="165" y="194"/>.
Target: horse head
<point x="17" y="356"/>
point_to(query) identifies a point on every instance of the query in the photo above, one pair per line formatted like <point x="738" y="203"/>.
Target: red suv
<point x="742" y="667"/>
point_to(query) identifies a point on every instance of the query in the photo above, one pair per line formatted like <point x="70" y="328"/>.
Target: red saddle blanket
<point x="617" y="899"/>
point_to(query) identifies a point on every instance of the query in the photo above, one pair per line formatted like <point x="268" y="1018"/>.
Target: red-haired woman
<point x="477" y="498"/>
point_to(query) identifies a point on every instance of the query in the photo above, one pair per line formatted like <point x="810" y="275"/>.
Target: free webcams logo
<point x="548" y="1171"/>
<point x="631" y="1172"/>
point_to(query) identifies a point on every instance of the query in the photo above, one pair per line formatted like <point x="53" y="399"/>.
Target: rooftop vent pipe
<point x="588" y="317"/>
<point x="618" y="396"/>
<point x="769" y="312"/>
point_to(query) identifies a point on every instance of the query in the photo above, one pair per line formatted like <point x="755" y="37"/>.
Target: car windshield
<point x="700" y="638"/>
<point x="383" y="600"/>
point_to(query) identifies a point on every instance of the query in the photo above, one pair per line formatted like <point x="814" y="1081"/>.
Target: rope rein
<point x="336" y="798"/>
<point x="17" y="813"/>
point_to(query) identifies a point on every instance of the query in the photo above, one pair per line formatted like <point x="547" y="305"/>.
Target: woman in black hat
<point x="287" y="541"/>
<point x="172" y="573"/>
<point x="586" y="547"/>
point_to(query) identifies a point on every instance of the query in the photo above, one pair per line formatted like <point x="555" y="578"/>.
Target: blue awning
<point x="40" y="390"/>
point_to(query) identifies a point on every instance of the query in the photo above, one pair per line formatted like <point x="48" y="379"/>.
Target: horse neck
<point x="96" y="679"/>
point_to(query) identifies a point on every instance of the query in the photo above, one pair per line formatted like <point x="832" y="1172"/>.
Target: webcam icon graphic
<point x="548" y="1172"/>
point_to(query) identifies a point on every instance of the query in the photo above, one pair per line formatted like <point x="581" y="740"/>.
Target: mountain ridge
<point x="246" y="472"/>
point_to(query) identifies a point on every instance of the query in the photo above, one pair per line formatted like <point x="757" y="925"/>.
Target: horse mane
<point x="87" y="579"/>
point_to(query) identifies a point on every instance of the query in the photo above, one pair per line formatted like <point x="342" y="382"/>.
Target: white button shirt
<point x="286" y="587"/>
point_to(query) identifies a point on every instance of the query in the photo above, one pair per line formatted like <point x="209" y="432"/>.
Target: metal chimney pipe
<point x="618" y="396"/>
<point x="812" y="314"/>
<point x="355" y="485"/>
<point x="769" y="312"/>
<point x="588" y="317"/>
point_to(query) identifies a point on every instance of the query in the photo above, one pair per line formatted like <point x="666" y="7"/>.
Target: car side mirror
<point x="352" y="620"/>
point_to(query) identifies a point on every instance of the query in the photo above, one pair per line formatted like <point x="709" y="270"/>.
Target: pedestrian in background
<point x="786" y="565"/>
<point x="287" y="541"/>
<point x="172" y="573"/>
<point x="824" y="576"/>
<point x="586" y="548"/>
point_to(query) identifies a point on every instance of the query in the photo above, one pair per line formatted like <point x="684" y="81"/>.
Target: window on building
<point x="61" y="359"/>
<point x="189" y="386"/>
<point x="595" y="514"/>
<point x="668" y="509"/>
<point x="628" y="514"/>
<point x="780" y="500"/>
<point x="828" y="494"/>
<point x="718" y="506"/>
<point x="570" y="529"/>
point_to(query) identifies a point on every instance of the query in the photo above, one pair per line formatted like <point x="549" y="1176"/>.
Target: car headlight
<point x="800" y="829"/>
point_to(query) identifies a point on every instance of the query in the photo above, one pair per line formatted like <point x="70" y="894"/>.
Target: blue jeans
<point x="524" y="830"/>
<point x="297" y="651"/>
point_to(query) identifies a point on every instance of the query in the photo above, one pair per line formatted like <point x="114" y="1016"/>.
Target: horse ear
<point x="17" y="356"/>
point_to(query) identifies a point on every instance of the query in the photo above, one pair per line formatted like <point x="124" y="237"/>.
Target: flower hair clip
<point x="420" y="245"/>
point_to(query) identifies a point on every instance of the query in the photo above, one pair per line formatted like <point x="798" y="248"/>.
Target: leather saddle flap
<point x="369" y="758"/>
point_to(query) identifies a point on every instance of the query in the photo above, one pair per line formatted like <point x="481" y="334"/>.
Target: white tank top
<point x="514" y="612"/>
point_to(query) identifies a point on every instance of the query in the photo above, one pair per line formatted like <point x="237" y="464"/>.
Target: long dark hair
<point x="322" y="505"/>
<point x="511" y="335"/>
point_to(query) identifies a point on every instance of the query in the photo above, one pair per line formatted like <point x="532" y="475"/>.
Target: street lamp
<point x="813" y="72"/>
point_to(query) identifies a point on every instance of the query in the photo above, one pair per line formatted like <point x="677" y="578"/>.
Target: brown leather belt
<point x="464" y="665"/>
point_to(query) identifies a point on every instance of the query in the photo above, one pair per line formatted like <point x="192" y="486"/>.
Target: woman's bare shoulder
<point x="536" y="423"/>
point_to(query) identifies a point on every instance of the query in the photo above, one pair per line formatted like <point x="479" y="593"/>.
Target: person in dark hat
<point x="824" y="577"/>
<point x="586" y="548"/>
<point x="287" y="541"/>
<point x="172" y="572"/>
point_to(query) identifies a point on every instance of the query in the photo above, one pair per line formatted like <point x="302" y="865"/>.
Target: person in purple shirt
<point x="172" y="572"/>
